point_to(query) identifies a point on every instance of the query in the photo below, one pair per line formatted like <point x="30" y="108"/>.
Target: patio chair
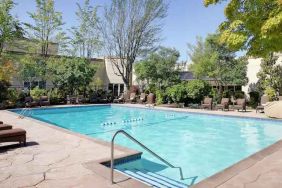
<point x="224" y="104"/>
<point x="5" y="127"/>
<point x="240" y="105"/>
<point x="151" y="99"/>
<point x="102" y="99"/>
<point x="80" y="99"/>
<point x="142" y="98"/>
<point x="120" y="99"/>
<point x="207" y="103"/>
<point x="13" y="135"/>
<point x="44" y="101"/>
<point x="132" y="97"/>
<point x="29" y="102"/>
<point x="263" y="101"/>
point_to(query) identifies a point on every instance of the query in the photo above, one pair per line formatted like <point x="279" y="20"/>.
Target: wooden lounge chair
<point x="224" y="104"/>
<point x="263" y="101"/>
<point x="44" y="101"/>
<point x="240" y="105"/>
<point x="29" y="102"/>
<point x="120" y="99"/>
<point x="132" y="97"/>
<point x="142" y="98"/>
<point x="5" y="127"/>
<point x="13" y="135"/>
<point x="151" y="100"/>
<point x="207" y="103"/>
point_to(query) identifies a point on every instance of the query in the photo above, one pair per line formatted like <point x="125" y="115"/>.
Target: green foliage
<point x="28" y="68"/>
<point x="56" y="96"/>
<point x="216" y="61"/>
<point x="86" y="37"/>
<point x="4" y="85"/>
<point x="239" y="95"/>
<point x="198" y="89"/>
<point x="36" y="93"/>
<point x="192" y="91"/>
<point x="271" y="93"/>
<point x="252" y="25"/>
<point x="159" y="68"/>
<point x="71" y="75"/>
<point x="270" y="74"/>
<point x="254" y="99"/>
<point x="160" y="97"/>
<point x="15" y="97"/>
<point x="9" y="26"/>
<point x="177" y="93"/>
<point x="47" y="25"/>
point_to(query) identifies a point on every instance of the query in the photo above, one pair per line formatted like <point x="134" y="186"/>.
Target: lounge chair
<point x="207" y="103"/>
<point x="5" y="127"/>
<point x="132" y="97"/>
<point x="80" y="99"/>
<point x="93" y="98"/>
<point x="280" y="98"/>
<point x="263" y="101"/>
<point x="13" y="135"/>
<point x="29" y="102"/>
<point x="240" y="105"/>
<point x="224" y="104"/>
<point x="120" y="99"/>
<point x="142" y="98"/>
<point x="102" y="99"/>
<point x="1" y="122"/>
<point x="151" y="100"/>
<point x="44" y="101"/>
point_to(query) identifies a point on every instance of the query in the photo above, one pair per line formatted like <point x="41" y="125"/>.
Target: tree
<point x="86" y="38"/>
<point x="158" y="68"/>
<point x="131" y="27"/>
<point x="47" y="25"/>
<point x="215" y="60"/>
<point x="252" y="25"/>
<point x="270" y="74"/>
<point x="71" y="75"/>
<point x="9" y="26"/>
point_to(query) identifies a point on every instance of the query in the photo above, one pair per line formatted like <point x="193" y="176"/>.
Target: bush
<point x="197" y="90"/>
<point x="160" y="97"/>
<point x="177" y="93"/>
<point x="36" y="93"/>
<point x="271" y="93"/>
<point x="4" y="90"/>
<point x="56" y="97"/>
<point x="254" y="99"/>
<point x="15" y="97"/>
<point x="239" y="95"/>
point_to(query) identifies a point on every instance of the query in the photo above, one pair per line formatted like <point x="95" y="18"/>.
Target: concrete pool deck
<point x="55" y="157"/>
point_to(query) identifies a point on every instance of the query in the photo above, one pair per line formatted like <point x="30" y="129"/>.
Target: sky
<point x="186" y="19"/>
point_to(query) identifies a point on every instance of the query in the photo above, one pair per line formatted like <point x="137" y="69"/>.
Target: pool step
<point x="153" y="179"/>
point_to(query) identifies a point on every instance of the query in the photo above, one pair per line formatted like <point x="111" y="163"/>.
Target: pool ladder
<point x="143" y="146"/>
<point x="25" y="112"/>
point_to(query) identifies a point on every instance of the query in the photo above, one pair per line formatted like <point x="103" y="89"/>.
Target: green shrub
<point x="239" y="95"/>
<point x="197" y="90"/>
<point x="36" y="93"/>
<point x="177" y="93"/>
<point x="254" y="99"/>
<point x="160" y="97"/>
<point x="56" y="96"/>
<point x="4" y="90"/>
<point x="271" y="93"/>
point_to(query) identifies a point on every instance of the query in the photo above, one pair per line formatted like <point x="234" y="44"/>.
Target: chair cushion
<point x="12" y="132"/>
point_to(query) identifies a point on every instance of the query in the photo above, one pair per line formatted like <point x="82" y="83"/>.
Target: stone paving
<point x="55" y="158"/>
<point x="52" y="158"/>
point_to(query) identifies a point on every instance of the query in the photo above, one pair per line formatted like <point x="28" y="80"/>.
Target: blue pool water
<point x="201" y="144"/>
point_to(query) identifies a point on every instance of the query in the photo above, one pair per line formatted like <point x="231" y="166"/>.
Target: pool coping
<point x="215" y="180"/>
<point x="226" y="174"/>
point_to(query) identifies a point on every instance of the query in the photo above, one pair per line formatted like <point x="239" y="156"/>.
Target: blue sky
<point x="186" y="19"/>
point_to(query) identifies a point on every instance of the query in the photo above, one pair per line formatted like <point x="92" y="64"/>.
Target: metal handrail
<point x="24" y="112"/>
<point x="143" y="146"/>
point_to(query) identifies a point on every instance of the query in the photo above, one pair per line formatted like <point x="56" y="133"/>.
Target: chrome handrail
<point x="24" y="112"/>
<point x="143" y="146"/>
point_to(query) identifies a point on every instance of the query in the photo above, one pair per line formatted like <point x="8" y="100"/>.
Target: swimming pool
<point x="201" y="144"/>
